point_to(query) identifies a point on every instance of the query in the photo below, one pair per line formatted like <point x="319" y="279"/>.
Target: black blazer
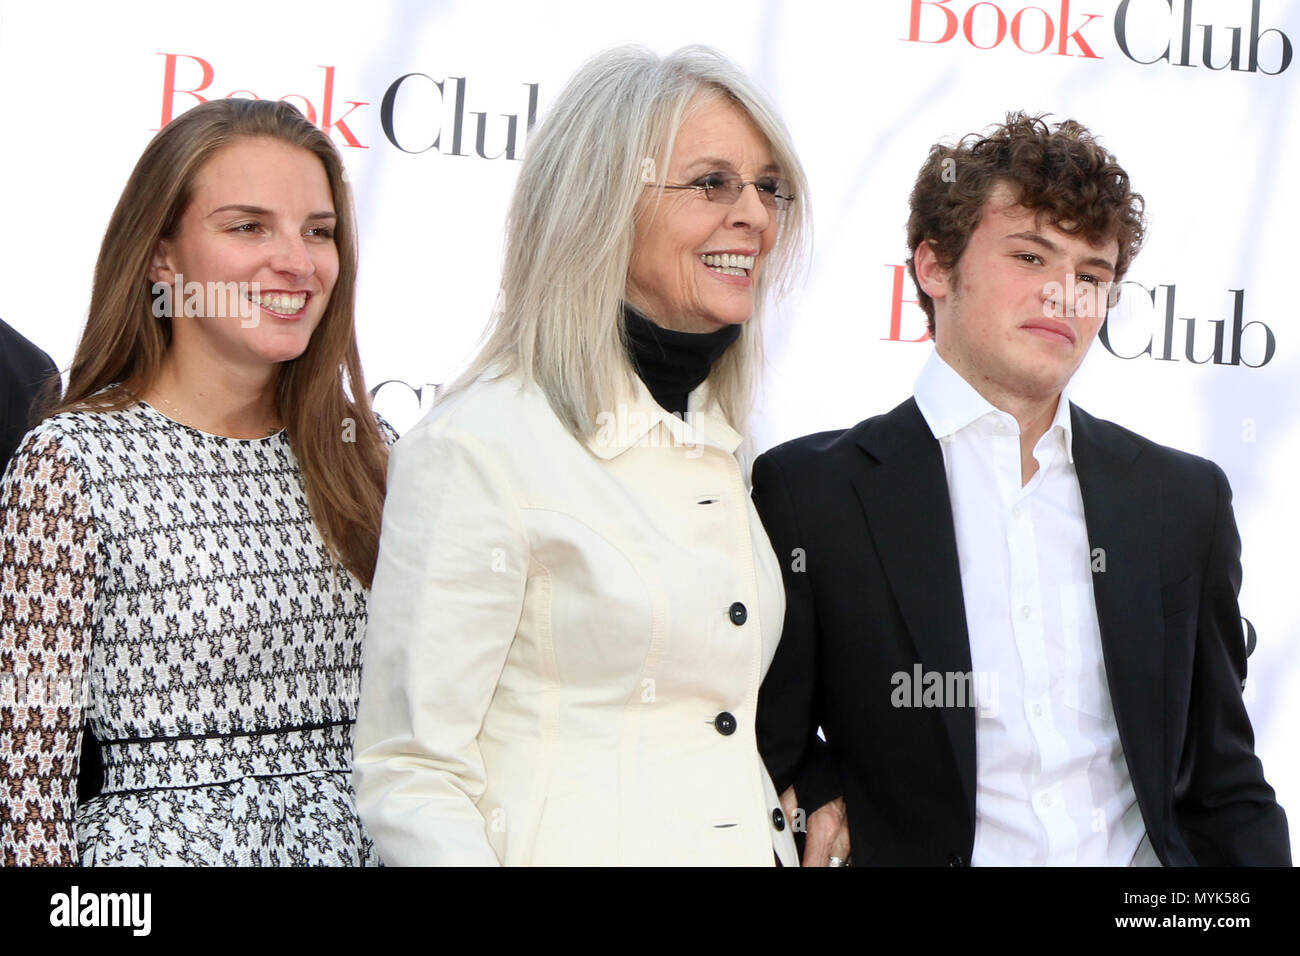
<point x="26" y="374"/>
<point x="862" y="524"/>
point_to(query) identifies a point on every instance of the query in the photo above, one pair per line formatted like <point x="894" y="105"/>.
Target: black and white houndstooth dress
<point x="169" y="588"/>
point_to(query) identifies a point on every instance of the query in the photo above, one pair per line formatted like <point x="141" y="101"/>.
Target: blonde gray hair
<point x="571" y="229"/>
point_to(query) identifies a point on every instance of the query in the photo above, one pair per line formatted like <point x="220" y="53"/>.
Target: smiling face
<point x="1020" y="309"/>
<point x="261" y="214"/>
<point x="675" y="277"/>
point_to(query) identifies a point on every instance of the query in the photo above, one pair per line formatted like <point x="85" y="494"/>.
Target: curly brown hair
<point x="1061" y="173"/>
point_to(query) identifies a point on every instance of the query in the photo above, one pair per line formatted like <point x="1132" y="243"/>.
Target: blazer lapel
<point x="1123" y="515"/>
<point x="903" y="489"/>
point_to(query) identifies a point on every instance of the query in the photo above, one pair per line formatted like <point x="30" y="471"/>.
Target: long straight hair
<point x="317" y="393"/>
<point x="572" y="227"/>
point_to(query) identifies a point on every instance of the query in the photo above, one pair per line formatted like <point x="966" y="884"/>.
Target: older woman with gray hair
<point x="575" y="602"/>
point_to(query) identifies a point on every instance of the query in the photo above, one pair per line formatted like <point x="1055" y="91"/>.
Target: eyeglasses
<point x="726" y="188"/>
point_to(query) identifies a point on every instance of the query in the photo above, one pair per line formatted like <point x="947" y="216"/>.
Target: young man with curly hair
<point x="1015" y="624"/>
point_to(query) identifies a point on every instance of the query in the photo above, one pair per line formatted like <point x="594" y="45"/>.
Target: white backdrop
<point x="865" y="89"/>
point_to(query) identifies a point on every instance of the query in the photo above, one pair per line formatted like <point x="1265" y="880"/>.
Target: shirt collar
<point x="949" y="403"/>
<point x="637" y="419"/>
<point x="1061" y="424"/>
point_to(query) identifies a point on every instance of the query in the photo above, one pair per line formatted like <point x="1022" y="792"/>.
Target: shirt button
<point x="1015" y="512"/>
<point x="738" y="614"/>
<point x="1038" y="710"/>
<point x="778" y="819"/>
<point x="1026" y="611"/>
<point x="999" y="427"/>
<point x="1047" y="799"/>
<point x="725" y="724"/>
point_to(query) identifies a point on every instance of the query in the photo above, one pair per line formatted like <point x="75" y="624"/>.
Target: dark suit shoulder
<point x="22" y="359"/>
<point x="28" y="381"/>
<point x="805" y="447"/>
<point x="877" y="436"/>
<point x="1098" y="435"/>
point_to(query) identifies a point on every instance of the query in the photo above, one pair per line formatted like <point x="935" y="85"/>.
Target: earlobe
<point x="930" y="275"/>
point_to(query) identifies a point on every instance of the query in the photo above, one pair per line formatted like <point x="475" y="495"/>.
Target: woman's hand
<point x="828" y="829"/>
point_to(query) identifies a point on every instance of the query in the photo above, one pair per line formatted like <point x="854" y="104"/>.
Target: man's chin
<point x="1039" y="384"/>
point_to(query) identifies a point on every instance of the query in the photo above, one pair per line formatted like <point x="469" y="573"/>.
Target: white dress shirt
<point x="1053" y="787"/>
<point x="566" y="641"/>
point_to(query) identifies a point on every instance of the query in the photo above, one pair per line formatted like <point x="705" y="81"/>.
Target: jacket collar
<point x="903" y="490"/>
<point x="1124" y="510"/>
<point x="638" y="420"/>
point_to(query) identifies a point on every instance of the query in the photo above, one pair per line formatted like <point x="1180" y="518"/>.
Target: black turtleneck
<point x="673" y="364"/>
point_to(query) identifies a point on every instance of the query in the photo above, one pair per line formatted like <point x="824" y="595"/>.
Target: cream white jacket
<point x="566" y="641"/>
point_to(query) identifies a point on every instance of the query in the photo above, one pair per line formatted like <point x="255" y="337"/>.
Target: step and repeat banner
<point x="432" y="104"/>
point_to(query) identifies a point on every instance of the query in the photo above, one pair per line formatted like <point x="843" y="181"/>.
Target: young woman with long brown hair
<point x="187" y="539"/>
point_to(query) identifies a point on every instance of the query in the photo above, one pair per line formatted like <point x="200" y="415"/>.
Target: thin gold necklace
<point x="185" y="419"/>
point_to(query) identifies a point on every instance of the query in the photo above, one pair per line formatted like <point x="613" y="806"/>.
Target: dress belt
<point x="185" y="761"/>
<point x="234" y="733"/>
